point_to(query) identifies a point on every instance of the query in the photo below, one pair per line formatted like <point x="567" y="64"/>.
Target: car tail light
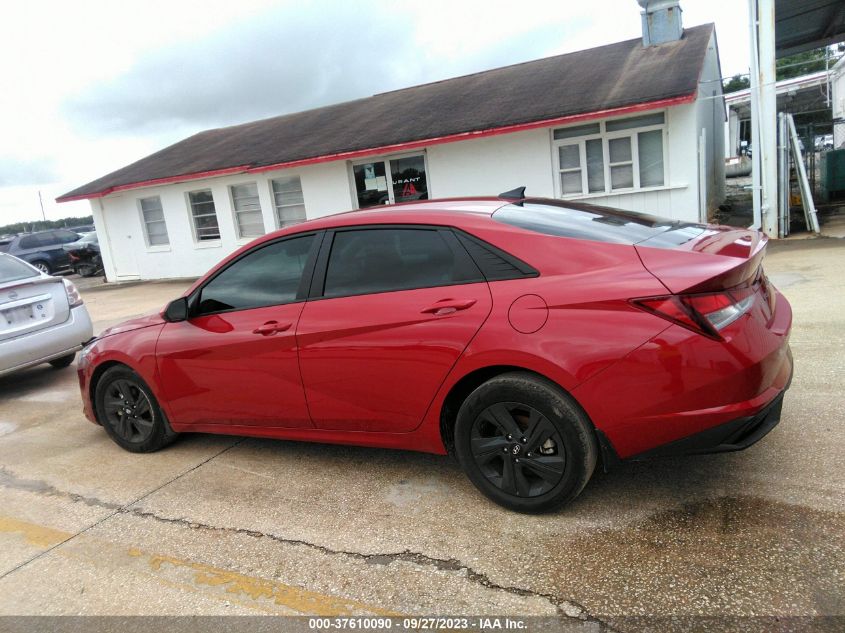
<point x="73" y="297"/>
<point x="705" y="313"/>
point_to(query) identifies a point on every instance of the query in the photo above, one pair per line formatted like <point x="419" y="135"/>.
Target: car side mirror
<point x="176" y="310"/>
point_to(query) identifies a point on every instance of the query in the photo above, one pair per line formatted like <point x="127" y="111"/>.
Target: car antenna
<point x="514" y="194"/>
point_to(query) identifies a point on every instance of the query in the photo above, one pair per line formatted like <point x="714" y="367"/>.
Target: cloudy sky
<point x="90" y="86"/>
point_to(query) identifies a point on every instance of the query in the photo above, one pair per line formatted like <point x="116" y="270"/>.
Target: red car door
<point x="235" y="360"/>
<point x="397" y="307"/>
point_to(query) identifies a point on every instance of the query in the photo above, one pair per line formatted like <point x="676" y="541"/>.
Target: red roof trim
<point x="451" y="138"/>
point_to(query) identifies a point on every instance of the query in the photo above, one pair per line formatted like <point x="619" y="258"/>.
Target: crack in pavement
<point x="9" y="480"/>
<point x="52" y="490"/>
<point x="566" y="608"/>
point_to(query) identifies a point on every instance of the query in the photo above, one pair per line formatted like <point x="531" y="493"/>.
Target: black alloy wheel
<point x="525" y="443"/>
<point x="518" y="449"/>
<point x="127" y="409"/>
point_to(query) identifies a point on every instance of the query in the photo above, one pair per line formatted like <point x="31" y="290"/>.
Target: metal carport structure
<point x="779" y="28"/>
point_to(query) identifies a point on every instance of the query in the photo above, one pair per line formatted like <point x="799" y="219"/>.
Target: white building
<point x="636" y="124"/>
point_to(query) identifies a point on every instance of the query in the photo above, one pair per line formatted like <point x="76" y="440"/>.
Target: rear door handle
<point x="271" y="327"/>
<point x="449" y="306"/>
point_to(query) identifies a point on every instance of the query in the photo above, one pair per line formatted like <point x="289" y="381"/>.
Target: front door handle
<point x="449" y="306"/>
<point x="271" y="327"/>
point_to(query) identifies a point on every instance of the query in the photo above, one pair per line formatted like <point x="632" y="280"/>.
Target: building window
<point x="390" y="180"/>
<point x="288" y="200"/>
<point x="155" y="228"/>
<point x="248" y="217"/>
<point x="617" y="155"/>
<point x="204" y="215"/>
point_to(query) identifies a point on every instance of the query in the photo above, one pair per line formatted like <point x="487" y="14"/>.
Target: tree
<point x="796" y="65"/>
<point x="802" y="64"/>
<point x="40" y="225"/>
<point x="735" y="83"/>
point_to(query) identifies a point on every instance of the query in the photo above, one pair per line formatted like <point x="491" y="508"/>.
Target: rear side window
<point x="12" y="269"/>
<point x="495" y="264"/>
<point x="30" y="241"/>
<point x="267" y="276"/>
<point x="365" y="261"/>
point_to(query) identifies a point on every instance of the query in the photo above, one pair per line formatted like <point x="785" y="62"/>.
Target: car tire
<point x="525" y="443"/>
<point x="129" y="412"/>
<point x="62" y="362"/>
<point x="43" y="266"/>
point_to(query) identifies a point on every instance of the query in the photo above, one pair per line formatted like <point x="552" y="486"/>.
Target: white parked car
<point x="42" y="318"/>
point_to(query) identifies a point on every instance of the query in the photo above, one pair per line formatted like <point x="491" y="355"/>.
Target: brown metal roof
<point x="599" y="79"/>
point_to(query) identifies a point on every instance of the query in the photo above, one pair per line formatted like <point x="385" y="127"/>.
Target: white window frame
<point x="605" y="137"/>
<point x="386" y="160"/>
<point x="144" y="224"/>
<point x="198" y="243"/>
<point x="276" y="207"/>
<point x="235" y="212"/>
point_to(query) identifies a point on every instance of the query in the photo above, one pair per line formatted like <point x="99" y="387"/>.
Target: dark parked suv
<point x="42" y="249"/>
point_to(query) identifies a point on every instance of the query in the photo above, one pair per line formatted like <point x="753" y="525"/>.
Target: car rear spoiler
<point x="718" y="259"/>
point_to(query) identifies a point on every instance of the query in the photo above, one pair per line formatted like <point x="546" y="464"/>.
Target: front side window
<point x="155" y="227"/>
<point x="365" y="261"/>
<point x="204" y="215"/>
<point x="64" y="237"/>
<point x="288" y="200"/>
<point x="617" y="155"/>
<point x="248" y="217"/>
<point x="267" y="276"/>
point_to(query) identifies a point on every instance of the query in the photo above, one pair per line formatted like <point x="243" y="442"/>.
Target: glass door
<point x="371" y="184"/>
<point x="407" y="180"/>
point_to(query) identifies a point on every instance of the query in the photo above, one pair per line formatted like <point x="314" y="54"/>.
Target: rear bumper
<point x="735" y="435"/>
<point x="45" y="345"/>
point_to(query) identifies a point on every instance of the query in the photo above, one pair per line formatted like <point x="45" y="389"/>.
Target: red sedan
<point x="531" y="338"/>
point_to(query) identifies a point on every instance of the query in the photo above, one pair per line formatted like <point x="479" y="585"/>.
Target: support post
<point x="754" y="90"/>
<point x="767" y="111"/>
<point x="783" y="176"/>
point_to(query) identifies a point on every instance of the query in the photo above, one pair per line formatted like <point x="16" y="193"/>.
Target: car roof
<point x="440" y="211"/>
<point x="401" y="211"/>
<point x="460" y="212"/>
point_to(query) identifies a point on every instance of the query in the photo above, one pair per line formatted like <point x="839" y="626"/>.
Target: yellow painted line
<point x="36" y="535"/>
<point x="251" y="591"/>
<point x="258" y="589"/>
<point x="229" y="600"/>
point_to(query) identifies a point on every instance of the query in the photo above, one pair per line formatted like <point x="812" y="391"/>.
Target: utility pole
<point x="41" y="202"/>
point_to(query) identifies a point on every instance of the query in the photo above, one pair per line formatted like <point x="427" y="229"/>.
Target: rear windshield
<point x="600" y="224"/>
<point x="12" y="269"/>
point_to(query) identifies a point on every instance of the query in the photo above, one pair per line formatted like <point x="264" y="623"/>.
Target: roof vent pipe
<point x="661" y="21"/>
